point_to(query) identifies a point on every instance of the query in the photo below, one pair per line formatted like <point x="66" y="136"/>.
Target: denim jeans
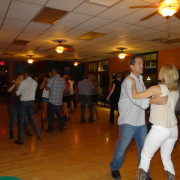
<point x="126" y="134"/>
<point x="26" y="109"/>
<point x="54" y="109"/>
<point x="86" y="99"/>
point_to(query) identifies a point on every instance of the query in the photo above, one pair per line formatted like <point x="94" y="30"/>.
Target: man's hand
<point x="159" y="100"/>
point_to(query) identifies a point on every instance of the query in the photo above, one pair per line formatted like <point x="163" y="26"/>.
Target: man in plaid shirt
<point x="56" y="86"/>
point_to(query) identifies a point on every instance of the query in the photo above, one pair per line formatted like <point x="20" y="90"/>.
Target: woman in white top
<point x="45" y="97"/>
<point x="164" y="132"/>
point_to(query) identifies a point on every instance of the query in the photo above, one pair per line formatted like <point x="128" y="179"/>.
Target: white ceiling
<point x="122" y="28"/>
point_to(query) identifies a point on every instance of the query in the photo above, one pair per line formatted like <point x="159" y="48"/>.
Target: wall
<point x="171" y="56"/>
<point x="118" y="65"/>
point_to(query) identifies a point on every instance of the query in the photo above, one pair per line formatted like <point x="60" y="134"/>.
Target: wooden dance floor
<point x="81" y="152"/>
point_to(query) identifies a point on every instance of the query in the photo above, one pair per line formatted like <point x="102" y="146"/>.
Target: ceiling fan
<point x="166" y="8"/>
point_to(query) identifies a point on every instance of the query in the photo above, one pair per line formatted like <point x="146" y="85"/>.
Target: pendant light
<point x="30" y="60"/>
<point x="121" y="54"/>
<point x="168" y="7"/>
<point x="59" y="48"/>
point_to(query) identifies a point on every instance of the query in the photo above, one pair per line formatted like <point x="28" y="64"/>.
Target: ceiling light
<point x="122" y="54"/>
<point x="59" y="48"/>
<point x="30" y="60"/>
<point x="168" y="7"/>
<point x="75" y="63"/>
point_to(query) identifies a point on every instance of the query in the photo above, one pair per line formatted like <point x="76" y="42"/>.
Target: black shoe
<point x="115" y="174"/>
<point x="149" y="178"/>
<point x="11" y="135"/>
<point x="18" y="142"/>
<point x="39" y="137"/>
<point x="28" y="133"/>
<point x="49" y="131"/>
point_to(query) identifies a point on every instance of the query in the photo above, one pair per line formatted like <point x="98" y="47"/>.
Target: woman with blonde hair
<point x="164" y="131"/>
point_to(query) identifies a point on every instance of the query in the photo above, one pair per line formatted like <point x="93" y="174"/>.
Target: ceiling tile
<point x="40" y="2"/>
<point x="113" y="26"/>
<point x="56" y="31"/>
<point x="49" y="15"/>
<point x="64" y="4"/>
<point x="73" y="19"/>
<point x="27" y="36"/>
<point x="74" y="33"/>
<point x="22" y="11"/>
<point x="14" y="25"/>
<point x="89" y="9"/>
<point x="3" y="7"/>
<point x="106" y="3"/>
<point x="38" y="28"/>
<point x="93" y="24"/>
<point x="120" y="10"/>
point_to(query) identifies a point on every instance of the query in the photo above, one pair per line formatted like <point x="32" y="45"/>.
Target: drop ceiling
<point x="21" y="34"/>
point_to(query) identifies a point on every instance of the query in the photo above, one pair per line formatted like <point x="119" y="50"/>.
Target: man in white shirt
<point x="131" y="121"/>
<point x="26" y="91"/>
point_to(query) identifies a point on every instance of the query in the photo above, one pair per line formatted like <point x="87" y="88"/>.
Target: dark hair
<point x="28" y="71"/>
<point x="132" y="60"/>
<point x="55" y="69"/>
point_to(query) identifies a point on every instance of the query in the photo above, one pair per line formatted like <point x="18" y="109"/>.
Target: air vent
<point x="90" y="36"/>
<point x="172" y="41"/>
<point x="49" y="15"/>
<point x="20" y="42"/>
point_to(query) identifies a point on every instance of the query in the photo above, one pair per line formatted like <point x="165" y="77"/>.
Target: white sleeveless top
<point x="164" y="115"/>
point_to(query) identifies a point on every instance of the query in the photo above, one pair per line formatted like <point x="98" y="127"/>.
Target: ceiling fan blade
<point x="177" y="14"/>
<point x="149" y="16"/>
<point x="148" y="6"/>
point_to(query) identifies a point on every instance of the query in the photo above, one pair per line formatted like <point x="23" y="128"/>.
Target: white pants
<point x="163" y="138"/>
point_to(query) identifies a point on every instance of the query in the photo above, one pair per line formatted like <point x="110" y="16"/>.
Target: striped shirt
<point x="56" y="87"/>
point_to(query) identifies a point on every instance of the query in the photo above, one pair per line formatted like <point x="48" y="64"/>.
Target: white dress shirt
<point x="27" y="89"/>
<point x="132" y="110"/>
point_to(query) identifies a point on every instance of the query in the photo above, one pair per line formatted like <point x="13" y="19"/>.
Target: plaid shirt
<point x="56" y="85"/>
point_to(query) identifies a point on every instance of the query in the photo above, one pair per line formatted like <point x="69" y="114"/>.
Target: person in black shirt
<point x="114" y="95"/>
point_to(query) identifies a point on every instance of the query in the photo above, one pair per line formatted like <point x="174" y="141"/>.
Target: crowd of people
<point x="128" y="95"/>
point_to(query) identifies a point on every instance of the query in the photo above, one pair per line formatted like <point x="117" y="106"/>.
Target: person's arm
<point x="126" y="88"/>
<point x="11" y="87"/>
<point x="152" y="91"/>
<point x="20" y="89"/>
<point x="112" y="90"/>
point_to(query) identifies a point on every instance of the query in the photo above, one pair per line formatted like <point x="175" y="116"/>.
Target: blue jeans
<point x="86" y="99"/>
<point x="26" y="109"/>
<point x="54" y="109"/>
<point x="126" y="134"/>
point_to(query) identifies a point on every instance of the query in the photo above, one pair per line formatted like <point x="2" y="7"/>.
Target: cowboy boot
<point x="170" y="176"/>
<point x="141" y="174"/>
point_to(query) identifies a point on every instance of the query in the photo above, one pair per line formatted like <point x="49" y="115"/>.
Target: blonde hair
<point x="170" y="77"/>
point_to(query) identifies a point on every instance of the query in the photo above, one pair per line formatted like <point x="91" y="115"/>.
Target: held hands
<point x="159" y="100"/>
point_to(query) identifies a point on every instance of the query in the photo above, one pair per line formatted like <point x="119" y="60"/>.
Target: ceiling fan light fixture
<point x="59" y="48"/>
<point x="168" y="7"/>
<point x="30" y="60"/>
<point x="121" y="55"/>
<point x="75" y="63"/>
